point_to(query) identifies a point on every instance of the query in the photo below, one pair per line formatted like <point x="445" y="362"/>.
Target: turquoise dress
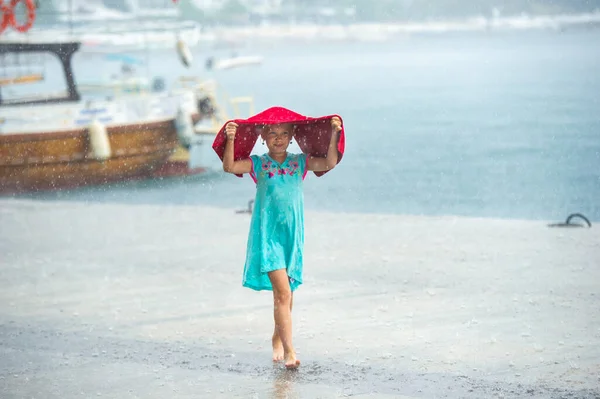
<point x="276" y="238"/>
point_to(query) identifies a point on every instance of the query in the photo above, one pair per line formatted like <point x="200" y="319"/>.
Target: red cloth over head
<point x="312" y="134"/>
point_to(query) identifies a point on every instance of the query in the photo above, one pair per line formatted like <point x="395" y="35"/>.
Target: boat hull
<point x="176" y="169"/>
<point x="55" y="160"/>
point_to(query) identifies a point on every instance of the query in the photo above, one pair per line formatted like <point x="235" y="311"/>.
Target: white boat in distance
<point x="234" y="62"/>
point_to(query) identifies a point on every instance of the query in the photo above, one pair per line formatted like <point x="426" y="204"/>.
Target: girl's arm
<point x="229" y="165"/>
<point x="319" y="164"/>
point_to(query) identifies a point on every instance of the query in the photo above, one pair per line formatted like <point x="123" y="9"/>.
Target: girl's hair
<point x="261" y="128"/>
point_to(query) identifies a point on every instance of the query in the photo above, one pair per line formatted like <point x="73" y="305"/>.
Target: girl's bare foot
<point x="291" y="362"/>
<point x="277" y="348"/>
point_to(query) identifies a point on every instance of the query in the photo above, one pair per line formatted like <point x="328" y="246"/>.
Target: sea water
<point x="489" y="125"/>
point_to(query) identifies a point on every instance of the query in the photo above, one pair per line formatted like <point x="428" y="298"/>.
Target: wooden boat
<point x="59" y="141"/>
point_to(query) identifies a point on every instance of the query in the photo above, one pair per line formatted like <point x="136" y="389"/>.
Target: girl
<point x="276" y="238"/>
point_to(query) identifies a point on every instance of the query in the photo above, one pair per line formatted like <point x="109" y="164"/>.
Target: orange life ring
<point x="30" y="15"/>
<point x="9" y="19"/>
<point x="5" y="20"/>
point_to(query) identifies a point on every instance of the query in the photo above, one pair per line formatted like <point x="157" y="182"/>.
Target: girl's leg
<point x="282" y="297"/>
<point x="277" y="345"/>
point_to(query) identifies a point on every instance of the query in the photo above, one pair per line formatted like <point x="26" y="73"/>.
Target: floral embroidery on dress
<point x="271" y="169"/>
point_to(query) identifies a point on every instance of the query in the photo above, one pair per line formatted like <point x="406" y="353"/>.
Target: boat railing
<point x="51" y="97"/>
<point x="116" y="88"/>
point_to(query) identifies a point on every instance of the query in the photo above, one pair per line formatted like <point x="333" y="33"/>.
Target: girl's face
<point x="278" y="137"/>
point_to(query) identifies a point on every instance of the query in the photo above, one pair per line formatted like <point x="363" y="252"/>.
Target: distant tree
<point x="383" y="10"/>
<point x="233" y="8"/>
<point x="394" y="10"/>
<point x="119" y="5"/>
<point x="188" y="10"/>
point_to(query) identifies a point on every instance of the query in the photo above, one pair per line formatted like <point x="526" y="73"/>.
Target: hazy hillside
<point x="423" y="9"/>
<point x="364" y="10"/>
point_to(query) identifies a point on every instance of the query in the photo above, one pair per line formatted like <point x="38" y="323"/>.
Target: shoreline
<point x="51" y="203"/>
<point x="37" y="202"/>
<point x="389" y="31"/>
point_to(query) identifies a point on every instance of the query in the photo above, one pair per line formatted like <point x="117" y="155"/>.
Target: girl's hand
<point x="336" y="124"/>
<point x="230" y="130"/>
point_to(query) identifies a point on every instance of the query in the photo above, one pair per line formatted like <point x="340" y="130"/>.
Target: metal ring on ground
<point x="568" y="223"/>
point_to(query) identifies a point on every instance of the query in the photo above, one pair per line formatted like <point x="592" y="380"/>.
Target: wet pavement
<point x="130" y="301"/>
